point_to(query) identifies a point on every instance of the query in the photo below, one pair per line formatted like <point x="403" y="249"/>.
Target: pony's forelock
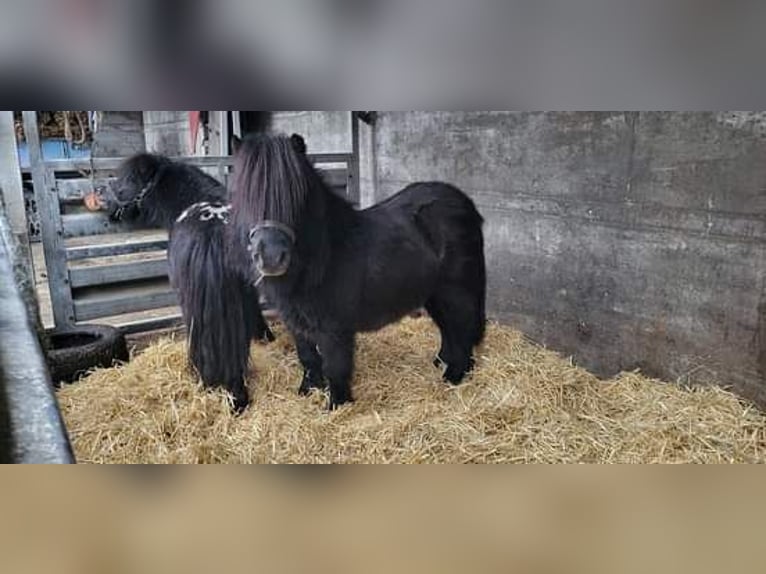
<point x="272" y="181"/>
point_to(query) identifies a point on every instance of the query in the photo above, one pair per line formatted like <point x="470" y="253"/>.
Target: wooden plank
<point x="49" y="208"/>
<point x="85" y="224"/>
<point x="119" y="273"/>
<point x="114" y="249"/>
<point x="113" y="301"/>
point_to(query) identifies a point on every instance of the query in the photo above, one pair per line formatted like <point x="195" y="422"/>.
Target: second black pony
<point x="218" y="300"/>
<point x="332" y="271"/>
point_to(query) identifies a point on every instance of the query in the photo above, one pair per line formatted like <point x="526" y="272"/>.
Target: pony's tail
<point x="481" y="279"/>
<point x="215" y="304"/>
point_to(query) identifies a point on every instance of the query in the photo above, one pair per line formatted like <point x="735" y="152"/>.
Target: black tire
<point x="75" y="351"/>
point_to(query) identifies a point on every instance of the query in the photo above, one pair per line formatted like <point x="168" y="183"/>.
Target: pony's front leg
<point x="262" y="330"/>
<point x="238" y="391"/>
<point x="338" y="360"/>
<point x="312" y="365"/>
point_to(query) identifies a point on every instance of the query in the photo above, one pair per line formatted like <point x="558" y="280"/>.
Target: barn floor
<point x="522" y="404"/>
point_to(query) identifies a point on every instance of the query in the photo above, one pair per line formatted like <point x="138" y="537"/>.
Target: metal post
<point x="236" y="124"/>
<point x="354" y="188"/>
<point x="223" y="118"/>
<point x="48" y="205"/>
<point x="31" y="428"/>
<point x="16" y="235"/>
<point x="10" y="177"/>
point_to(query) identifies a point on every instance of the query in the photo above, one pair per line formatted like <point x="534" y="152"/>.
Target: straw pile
<point x="522" y="404"/>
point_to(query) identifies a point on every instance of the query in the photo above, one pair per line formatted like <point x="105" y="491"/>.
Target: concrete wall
<point x="324" y="132"/>
<point x="630" y="240"/>
<point x="330" y="132"/>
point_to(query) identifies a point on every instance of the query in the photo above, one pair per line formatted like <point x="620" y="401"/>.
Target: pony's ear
<point x="236" y="143"/>
<point x="298" y="143"/>
<point x="143" y="164"/>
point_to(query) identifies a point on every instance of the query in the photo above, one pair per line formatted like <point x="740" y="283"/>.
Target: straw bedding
<point x="522" y="404"/>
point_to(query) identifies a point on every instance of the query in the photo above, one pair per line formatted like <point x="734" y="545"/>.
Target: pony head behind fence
<point x="152" y="191"/>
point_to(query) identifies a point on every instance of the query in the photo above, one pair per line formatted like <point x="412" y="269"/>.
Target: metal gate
<point x="97" y="269"/>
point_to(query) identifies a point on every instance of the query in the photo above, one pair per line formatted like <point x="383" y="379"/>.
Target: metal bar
<point x="151" y="325"/>
<point x="353" y="166"/>
<point x="47" y="199"/>
<point x="85" y="165"/>
<point x="75" y="189"/>
<point x="336" y="177"/>
<point x="223" y="145"/>
<point x="87" y="224"/>
<point x="110" y="302"/>
<point x="111" y="164"/>
<point x="115" y="249"/>
<point x="31" y="428"/>
<point x="236" y="123"/>
<point x="120" y="273"/>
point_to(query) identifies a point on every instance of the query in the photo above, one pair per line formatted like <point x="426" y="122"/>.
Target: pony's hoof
<point x="454" y="376"/>
<point x="336" y="402"/>
<point x="308" y="385"/>
<point x="241" y="405"/>
<point x="267" y="336"/>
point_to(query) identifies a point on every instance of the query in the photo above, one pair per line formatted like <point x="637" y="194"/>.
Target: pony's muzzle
<point x="270" y="253"/>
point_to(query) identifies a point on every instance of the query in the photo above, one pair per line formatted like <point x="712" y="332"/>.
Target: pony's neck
<point x="325" y="230"/>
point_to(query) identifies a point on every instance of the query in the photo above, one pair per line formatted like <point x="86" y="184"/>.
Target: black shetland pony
<point x="218" y="300"/>
<point x="332" y="271"/>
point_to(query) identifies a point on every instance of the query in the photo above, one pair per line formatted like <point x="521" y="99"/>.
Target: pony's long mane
<point x="143" y="165"/>
<point x="272" y="181"/>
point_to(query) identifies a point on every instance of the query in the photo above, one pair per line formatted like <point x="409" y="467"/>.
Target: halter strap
<point x="269" y="224"/>
<point x="149" y="187"/>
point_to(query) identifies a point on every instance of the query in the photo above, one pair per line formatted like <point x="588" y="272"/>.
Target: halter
<point x="138" y="201"/>
<point x="268" y="224"/>
<point x="149" y="187"/>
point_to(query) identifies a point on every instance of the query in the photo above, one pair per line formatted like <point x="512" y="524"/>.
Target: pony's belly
<point x="376" y="321"/>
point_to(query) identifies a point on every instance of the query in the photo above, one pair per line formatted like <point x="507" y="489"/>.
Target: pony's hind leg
<point x="311" y="360"/>
<point x="439" y="315"/>
<point x="458" y="314"/>
<point x="338" y="362"/>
